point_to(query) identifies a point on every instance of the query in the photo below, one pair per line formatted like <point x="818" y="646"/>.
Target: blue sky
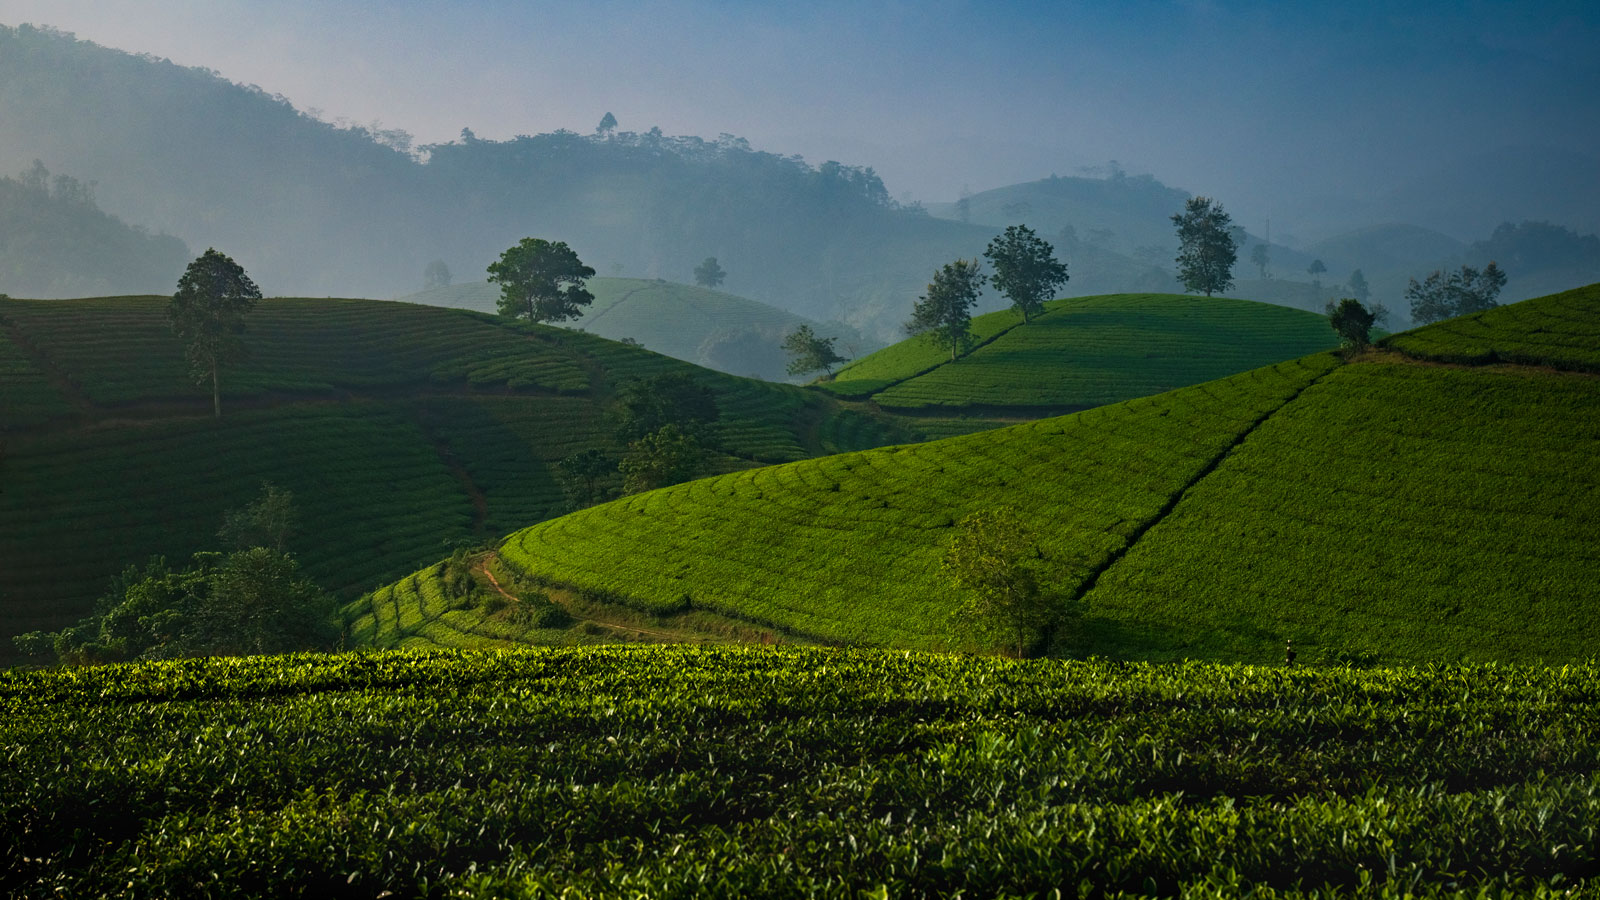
<point x="1252" y="100"/>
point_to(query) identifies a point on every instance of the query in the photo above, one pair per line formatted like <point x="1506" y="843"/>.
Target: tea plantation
<point x="733" y="773"/>
<point x="401" y="430"/>
<point x="1380" y="508"/>
<point x="1087" y="351"/>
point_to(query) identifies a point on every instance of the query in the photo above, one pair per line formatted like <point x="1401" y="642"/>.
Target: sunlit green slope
<point x="1087" y="351"/>
<point x="1384" y="507"/>
<point x="710" y="328"/>
<point x="400" y="429"/>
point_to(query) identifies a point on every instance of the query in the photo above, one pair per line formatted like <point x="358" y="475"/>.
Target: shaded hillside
<point x="401" y="430"/>
<point x="1384" y="507"/>
<point x="709" y="328"/>
<point x="1085" y="352"/>
<point x="56" y="242"/>
<point x="1121" y="213"/>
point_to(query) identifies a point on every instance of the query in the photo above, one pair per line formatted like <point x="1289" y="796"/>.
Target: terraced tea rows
<point x="401" y="430"/>
<point x="1562" y="331"/>
<point x="847" y="548"/>
<point x="1088" y="351"/>
<point x="678" y="772"/>
<point x="1394" y="510"/>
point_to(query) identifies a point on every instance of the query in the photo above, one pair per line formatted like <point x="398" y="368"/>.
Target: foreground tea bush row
<point x="695" y="772"/>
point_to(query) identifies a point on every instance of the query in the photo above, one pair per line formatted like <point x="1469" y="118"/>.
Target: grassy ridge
<point x="1088" y="351"/>
<point x="1561" y="331"/>
<point x="1398" y="510"/>
<point x="400" y="429"/>
<point x="847" y="548"/>
<point x="700" y="772"/>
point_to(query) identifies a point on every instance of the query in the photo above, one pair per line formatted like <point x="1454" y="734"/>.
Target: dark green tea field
<point x="735" y="773"/>
<point x="1385" y="507"/>
<point x="401" y="431"/>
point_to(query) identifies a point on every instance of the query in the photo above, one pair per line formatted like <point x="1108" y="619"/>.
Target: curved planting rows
<point x="294" y="344"/>
<point x="1098" y="350"/>
<point x="678" y="772"/>
<point x="26" y="394"/>
<point x="847" y="547"/>
<point x="1561" y="331"/>
<point x="1413" y="512"/>
<point x="374" y="498"/>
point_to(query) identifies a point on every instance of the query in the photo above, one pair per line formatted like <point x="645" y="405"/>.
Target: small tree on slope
<point x="996" y="560"/>
<point x="1025" y="269"/>
<point x="207" y="312"/>
<point x="944" y="313"/>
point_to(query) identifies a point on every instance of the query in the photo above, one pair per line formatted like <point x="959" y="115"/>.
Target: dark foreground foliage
<point x="693" y="772"/>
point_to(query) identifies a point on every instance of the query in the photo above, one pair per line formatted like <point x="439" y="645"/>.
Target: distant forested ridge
<point x="311" y="207"/>
<point x="56" y="242"/>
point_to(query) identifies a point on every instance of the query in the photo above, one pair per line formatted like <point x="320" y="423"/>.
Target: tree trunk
<point x="216" y="394"/>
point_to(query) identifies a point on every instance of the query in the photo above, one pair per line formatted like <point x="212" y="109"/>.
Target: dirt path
<point x="495" y="583"/>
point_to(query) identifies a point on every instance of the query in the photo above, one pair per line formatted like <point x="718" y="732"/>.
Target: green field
<point x="1374" y="509"/>
<point x="400" y="429"/>
<point x="680" y="320"/>
<point x="1561" y="331"/>
<point x="698" y="772"/>
<point x="1087" y="351"/>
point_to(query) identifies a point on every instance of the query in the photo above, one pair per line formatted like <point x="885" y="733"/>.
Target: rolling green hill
<point x="1084" y="352"/>
<point x="708" y="328"/>
<point x="400" y="429"/>
<point x="1390" y="507"/>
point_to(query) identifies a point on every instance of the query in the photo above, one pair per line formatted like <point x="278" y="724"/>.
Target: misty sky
<point x="1248" y="101"/>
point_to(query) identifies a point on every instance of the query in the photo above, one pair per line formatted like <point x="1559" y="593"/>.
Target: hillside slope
<point x="401" y="430"/>
<point x="709" y="328"/>
<point x="1087" y="351"/>
<point x="1389" y="507"/>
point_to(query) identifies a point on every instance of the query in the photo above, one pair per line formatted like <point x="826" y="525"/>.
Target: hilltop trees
<point x="944" y="313"/>
<point x="1359" y="286"/>
<point x="996" y="560"/>
<point x="541" y="281"/>
<point x="1352" y="322"/>
<point x="809" y="353"/>
<point x="708" y="274"/>
<point x="1445" y="294"/>
<point x="1207" y="248"/>
<point x="1261" y="255"/>
<point x="435" y="275"/>
<point x="207" y="312"/>
<point x="1025" y="269"/>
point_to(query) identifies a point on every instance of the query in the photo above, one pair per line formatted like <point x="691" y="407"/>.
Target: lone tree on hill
<point x="996" y="560"/>
<point x="944" y="313"/>
<point x="1207" y="248"/>
<point x="1025" y="269"/>
<point x="541" y="281"/>
<point x="809" y="353"/>
<point x="208" y="313"/>
<point x="1352" y="322"/>
<point x="435" y="275"/>
<point x="1315" y="270"/>
<point x="708" y="274"/>
<point x="1261" y="256"/>
<point x="1359" y="286"/>
<point x="608" y="124"/>
<point x="1445" y="294"/>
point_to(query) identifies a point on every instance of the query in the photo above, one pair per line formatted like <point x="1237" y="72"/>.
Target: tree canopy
<point x="1207" y="247"/>
<point x="1352" y="322"/>
<point x="1025" y="269"/>
<point x="541" y="281"/>
<point x="207" y="312"/>
<point x="944" y="313"/>
<point x="809" y="353"/>
<point x="996" y="561"/>
<point x="709" y="274"/>
<point x="1443" y="295"/>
